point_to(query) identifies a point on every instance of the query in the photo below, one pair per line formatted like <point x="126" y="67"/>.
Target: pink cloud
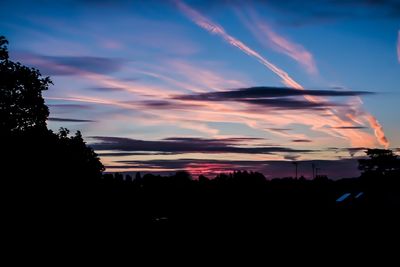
<point x="378" y="130"/>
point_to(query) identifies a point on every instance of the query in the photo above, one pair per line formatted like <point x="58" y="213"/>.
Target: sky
<point x="217" y="86"/>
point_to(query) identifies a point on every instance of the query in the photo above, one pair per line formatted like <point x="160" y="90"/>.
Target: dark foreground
<point x="240" y="199"/>
<point x="241" y="216"/>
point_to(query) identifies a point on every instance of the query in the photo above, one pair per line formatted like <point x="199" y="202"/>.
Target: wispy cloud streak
<point x="68" y="120"/>
<point x="295" y="51"/>
<point x="260" y="29"/>
<point x="379" y="133"/>
<point x="72" y="65"/>
<point x="213" y="28"/>
<point x="398" y="46"/>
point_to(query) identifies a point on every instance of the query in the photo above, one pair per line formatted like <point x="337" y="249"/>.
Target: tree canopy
<point x="381" y="162"/>
<point x="30" y="149"/>
<point x="22" y="106"/>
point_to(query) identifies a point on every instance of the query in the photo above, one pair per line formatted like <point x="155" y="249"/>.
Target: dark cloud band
<point x="68" y="120"/>
<point x="273" y="97"/>
<point x="187" y="145"/>
<point x="71" y="65"/>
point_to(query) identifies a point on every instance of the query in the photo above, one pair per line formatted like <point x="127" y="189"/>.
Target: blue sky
<point x="144" y="77"/>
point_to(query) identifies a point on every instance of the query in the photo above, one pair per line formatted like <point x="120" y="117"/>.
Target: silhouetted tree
<point x="381" y="179"/>
<point x="78" y="159"/>
<point x="21" y="103"/>
<point x="381" y="162"/>
<point x="3" y="48"/>
<point x="182" y="176"/>
<point x="31" y="151"/>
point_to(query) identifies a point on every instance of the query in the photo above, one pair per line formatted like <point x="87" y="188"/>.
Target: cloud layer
<point x="286" y="79"/>
<point x="268" y="91"/>
<point x="274" y="97"/>
<point x="71" y="65"/>
<point x="68" y="120"/>
<point x="179" y="145"/>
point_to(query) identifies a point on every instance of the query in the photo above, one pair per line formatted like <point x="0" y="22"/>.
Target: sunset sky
<point x="211" y="86"/>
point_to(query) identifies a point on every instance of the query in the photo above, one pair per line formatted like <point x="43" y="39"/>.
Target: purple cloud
<point x="350" y="127"/>
<point x="71" y="65"/>
<point x="301" y="141"/>
<point x="68" y="120"/>
<point x="187" y="145"/>
<point x="273" y="97"/>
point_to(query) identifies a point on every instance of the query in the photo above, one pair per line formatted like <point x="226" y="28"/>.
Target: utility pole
<point x="296" y="163"/>
<point x="313" y="170"/>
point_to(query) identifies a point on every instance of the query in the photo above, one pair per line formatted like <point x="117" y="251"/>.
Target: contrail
<point x="213" y="28"/>
<point x="260" y="29"/>
<point x="378" y="130"/>
<point x="398" y="46"/>
<point x="295" y="51"/>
